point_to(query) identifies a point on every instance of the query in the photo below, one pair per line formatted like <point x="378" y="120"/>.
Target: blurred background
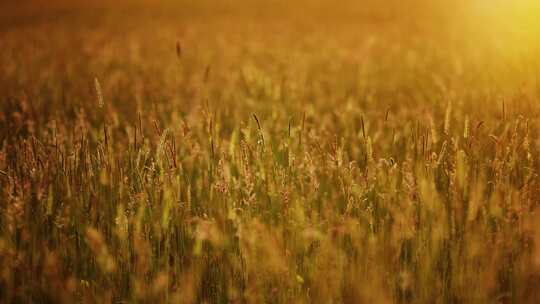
<point x="407" y="50"/>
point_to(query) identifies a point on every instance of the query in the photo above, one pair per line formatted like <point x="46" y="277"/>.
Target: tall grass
<point x="369" y="162"/>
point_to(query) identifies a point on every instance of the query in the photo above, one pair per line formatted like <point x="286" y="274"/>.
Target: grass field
<point x="270" y="151"/>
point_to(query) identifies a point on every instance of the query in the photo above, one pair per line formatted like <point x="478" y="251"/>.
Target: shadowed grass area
<point x="272" y="152"/>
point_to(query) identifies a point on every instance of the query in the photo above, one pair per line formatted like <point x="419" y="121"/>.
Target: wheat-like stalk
<point x="466" y="128"/>
<point x="447" y="118"/>
<point x="99" y="92"/>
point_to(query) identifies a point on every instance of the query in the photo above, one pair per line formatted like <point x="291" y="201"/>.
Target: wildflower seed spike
<point x="178" y="50"/>
<point x="99" y="93"/>
<point x="260" y="129"/>
<point x="206" y="74"/>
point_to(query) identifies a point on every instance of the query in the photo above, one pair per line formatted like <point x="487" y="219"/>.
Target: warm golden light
<point x="270" y="151"/>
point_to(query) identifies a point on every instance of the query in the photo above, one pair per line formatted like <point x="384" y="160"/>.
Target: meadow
<point x="270" y="151"/>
